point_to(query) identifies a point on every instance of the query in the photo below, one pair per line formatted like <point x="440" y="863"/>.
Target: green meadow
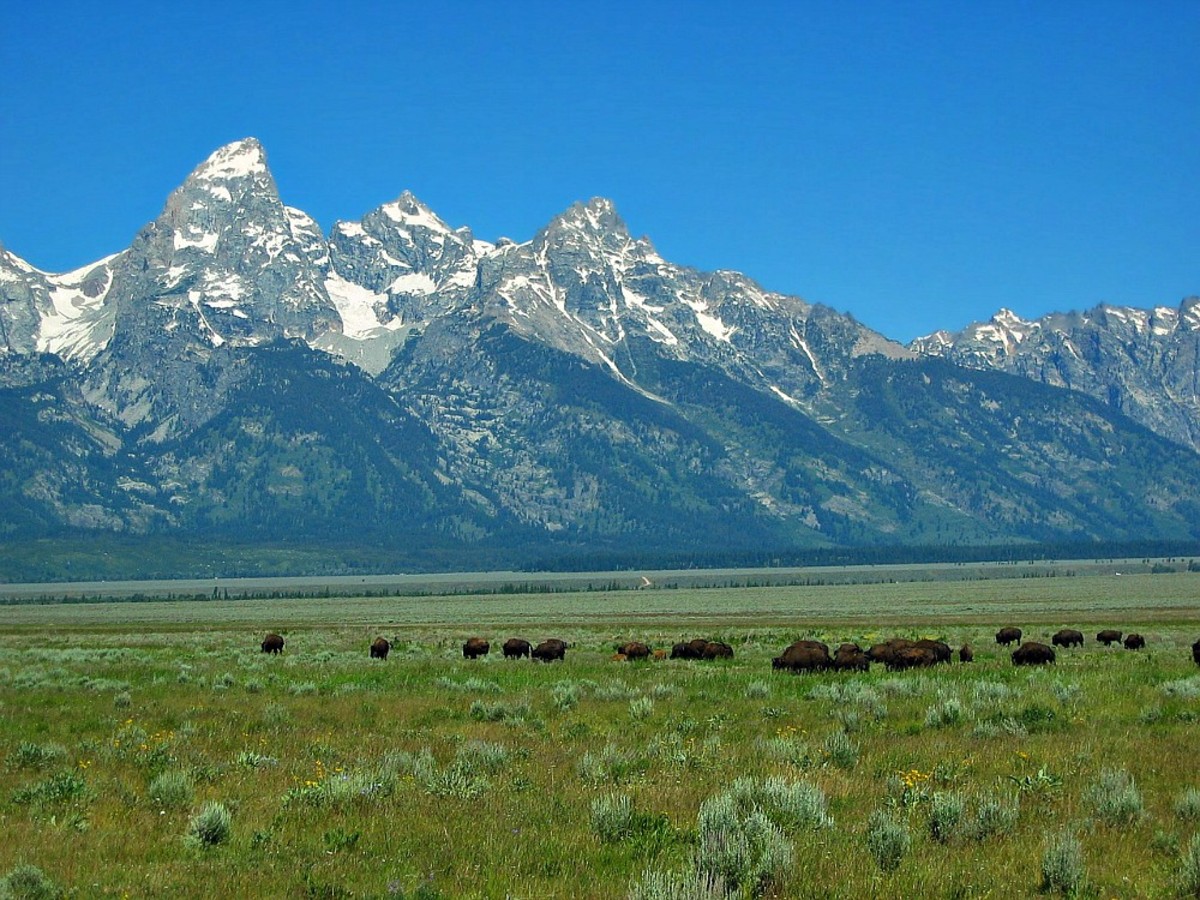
<point x="150" y="749"/>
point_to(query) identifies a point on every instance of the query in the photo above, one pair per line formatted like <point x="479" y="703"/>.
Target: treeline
<point x="616" y="560"/>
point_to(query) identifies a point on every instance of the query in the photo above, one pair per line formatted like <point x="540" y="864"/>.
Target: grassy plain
<point x="428" y="775"/>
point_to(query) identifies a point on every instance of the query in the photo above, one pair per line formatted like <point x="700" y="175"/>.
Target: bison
<point x="515" y="648"/>
<point x="804" y="656"/>
<point x="966" y="654"/>
<point x="548" y="651"/>
<point x="380" y="648"/>
<point x="272" y="643"/>
<point x="851" y="658"/>
<point x="1134" y="642"/>
<point x="1108" y="637"/>
<point x="1006" y="636"/>
<point x="1033" y="654"/>
<point x="885" y="651"/>
<point x="1196" y="652"/>
<point x="660" y="655"/>
<point x="940" y="649"/>
<point x="716" y="650"/>
<point x="913" y="657"/>
<point x="475" y="648"/>
<point x="1067" y="637"/>
<point x="689" y="650"/>
<point x="633" y="650"/>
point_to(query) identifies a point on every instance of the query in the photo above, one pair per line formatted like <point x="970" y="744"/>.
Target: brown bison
<point x="689" y="650"/>
<point x="804" y="656"/>
<point x="515" y="648"/>
<point x="548" y="651"/>
<point x="660" y="655"/>
<point x="475" y="648"/>
<point x="912" y="658"/>
<point x="272" y="643"/>
<point x="1134" y="642"/>
<point x="884" y="652"/>
<point x="1108" y="637"/>
<point x="966" y="654"/>
<point x="1067" y="637"/>
<point x="380" y="648"/>
<point x="1006" y="636"/>
<point x="633" y="650"/>
<point x="716" y="650"/>
<point x="851" y="658"/>
<point x="1033" y="654"/>
<point x="1196" y="652"/>
<point x="940" y="649"/>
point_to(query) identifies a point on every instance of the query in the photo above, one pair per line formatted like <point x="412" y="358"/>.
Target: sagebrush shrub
<point x="840" y="750"/>
<point x="991" y="816"/>
<point x="1189" y="869"/>
<point x="210" y="826"/>
<point x="28" y="882"/>
<point x="1187" y="805"/>
<point x="29" y="755"/>
<point x="172" y="789"/>
<point x="641" y="708"/>
<point x="612" y="817"/>
<point x="888" y="840"/>
<point x="1114" y="798"/>
<point x="745" y="851"/>
<point x="1062" y="864"/>
<point x="946" y="811"/>
<point x="689" y="885"/>
<point x="948" y="712"/>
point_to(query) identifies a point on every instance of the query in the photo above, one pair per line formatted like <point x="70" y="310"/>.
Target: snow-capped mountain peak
<point x="240" y="159"/>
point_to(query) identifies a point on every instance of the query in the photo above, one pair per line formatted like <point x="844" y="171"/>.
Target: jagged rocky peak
<point x="240" y="159"/>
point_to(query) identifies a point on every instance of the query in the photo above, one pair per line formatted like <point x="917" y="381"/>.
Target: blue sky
<point x="918" y="165"/>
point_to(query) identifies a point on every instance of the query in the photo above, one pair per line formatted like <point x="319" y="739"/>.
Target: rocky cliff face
<point x="1143" y="363"/>
<point x="236" y="371"/>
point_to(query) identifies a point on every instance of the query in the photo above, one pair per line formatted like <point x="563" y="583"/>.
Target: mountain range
<point x="238" y="375"/>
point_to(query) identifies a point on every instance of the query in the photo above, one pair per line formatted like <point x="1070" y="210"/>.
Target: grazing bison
<point x="804" y="656"/>
<point x="1006" y="636"/>
<point x="475" y="648"/>
<point x="884" y="652"/>
<point x="380" y="648"/>
<point x="940" y="649"/>
<point x="966" y="654"/>
<point x="1109" y="637"/>
<point x="548" y="651"/>
<point x="1134" y="642"/>
<point x="633" y="650"/>
<point x="689" y="650"/>
<point x="912" y="657"/>
<point x="272" y="643"/>
<point x="515" y="648"/>
<point x="1067" y="637"/>
<point x="851" y="658"/>
<point x="716" y="650"/>
<point x="1033" y="654"/>
<point x="1196" y="652"/>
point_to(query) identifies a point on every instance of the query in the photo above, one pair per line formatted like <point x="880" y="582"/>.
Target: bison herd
<point x="802" y="656"/>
